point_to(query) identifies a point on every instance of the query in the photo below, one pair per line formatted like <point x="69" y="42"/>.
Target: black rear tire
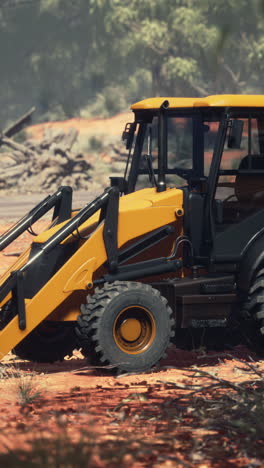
<point x="254" y="307"/>
<point x="126" y="325"/>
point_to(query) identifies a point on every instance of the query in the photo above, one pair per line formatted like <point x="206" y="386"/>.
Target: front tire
<point x="128" y="325"/>
<point x="48" y="342"/>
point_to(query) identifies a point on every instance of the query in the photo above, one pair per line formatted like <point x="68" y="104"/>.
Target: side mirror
<point x="235" y="134"/>
<point x="128" y="134"/>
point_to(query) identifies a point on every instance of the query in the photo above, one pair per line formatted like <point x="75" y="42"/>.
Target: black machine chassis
<point x="200" y="302"/>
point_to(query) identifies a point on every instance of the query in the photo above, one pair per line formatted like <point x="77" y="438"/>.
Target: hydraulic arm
<point x="134" y="217"/>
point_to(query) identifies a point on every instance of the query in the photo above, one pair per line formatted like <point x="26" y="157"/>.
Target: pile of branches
<point x="41" y="166"/>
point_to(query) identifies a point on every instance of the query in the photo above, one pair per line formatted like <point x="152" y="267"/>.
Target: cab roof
<point x="218" y="100"/>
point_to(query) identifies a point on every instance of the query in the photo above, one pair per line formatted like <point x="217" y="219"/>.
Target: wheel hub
<point x="130" y="329"/>
<point x="134" y="330"/>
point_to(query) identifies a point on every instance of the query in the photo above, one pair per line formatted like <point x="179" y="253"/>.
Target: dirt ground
<point x="132" y="421"/>
<point x="112" y="126"/>
<point x="197" y="409"/>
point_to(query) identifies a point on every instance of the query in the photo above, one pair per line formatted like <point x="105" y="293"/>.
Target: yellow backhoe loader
<point x="176" y="244"/>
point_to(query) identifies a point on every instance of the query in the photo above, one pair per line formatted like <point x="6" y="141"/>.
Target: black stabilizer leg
<point x="62" y="210"/>
<point x="110" y="229"/>
<point x="19" y="299"/>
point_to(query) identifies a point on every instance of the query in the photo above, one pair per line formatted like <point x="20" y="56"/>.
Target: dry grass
<point x="57" y="452"/>
<point x="229" y="414"/>
<point x="26" y="387"/>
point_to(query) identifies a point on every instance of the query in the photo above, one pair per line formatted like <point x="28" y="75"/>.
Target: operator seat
<point x="249" y="188"/>
<point x="248" y="191"/>
<point x="242" y="215"/>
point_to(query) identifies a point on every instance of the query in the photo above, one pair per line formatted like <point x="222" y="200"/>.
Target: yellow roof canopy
<point x="221" y="100"/>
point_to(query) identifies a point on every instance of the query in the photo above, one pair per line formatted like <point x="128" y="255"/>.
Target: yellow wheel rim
<point x="134" y="329"/>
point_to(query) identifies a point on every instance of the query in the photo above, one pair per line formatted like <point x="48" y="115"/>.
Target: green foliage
<point x="64" y="57"/>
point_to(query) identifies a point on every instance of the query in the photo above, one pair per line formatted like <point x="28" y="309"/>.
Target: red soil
<point x="112" y="126"/>
<point x="135" y="420"/>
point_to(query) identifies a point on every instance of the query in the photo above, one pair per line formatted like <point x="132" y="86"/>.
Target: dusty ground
<point x="135" y="420"/>
<point x="183" y="414"/>
<point x="112" y="126"/>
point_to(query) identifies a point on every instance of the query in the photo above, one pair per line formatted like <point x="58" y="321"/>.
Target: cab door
<point x="238" y="203"/>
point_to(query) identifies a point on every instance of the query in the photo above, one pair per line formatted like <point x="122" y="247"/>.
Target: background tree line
<point x="95" y="57"/>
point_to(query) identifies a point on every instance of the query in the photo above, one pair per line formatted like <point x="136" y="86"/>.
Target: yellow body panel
<point x="45" y="235"/>
<point x="131" y="202"/>
<point x="221" y="100"/>
<point x="139" y="212"/>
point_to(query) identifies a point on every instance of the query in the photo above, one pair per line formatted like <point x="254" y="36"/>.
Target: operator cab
<point x="213" y="149"/>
